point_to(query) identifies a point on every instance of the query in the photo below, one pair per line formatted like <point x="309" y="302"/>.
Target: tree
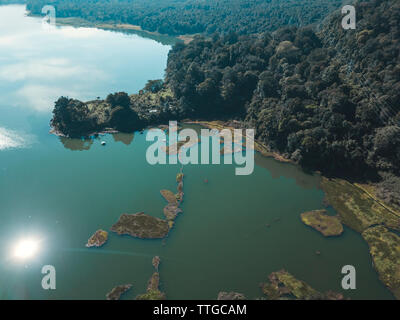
<point x="119" y="99"/>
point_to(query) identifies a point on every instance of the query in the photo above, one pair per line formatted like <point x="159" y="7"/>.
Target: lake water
<point x="61" y="191"/>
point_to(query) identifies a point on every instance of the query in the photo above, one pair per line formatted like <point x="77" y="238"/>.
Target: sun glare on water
<point x="26" y="248"/>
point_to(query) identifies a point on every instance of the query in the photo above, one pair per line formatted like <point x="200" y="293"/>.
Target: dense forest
<point x="177" y="17"/>
<point x="328" y="100"/>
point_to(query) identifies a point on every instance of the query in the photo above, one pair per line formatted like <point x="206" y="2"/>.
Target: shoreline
<point x="83" y="23"/>
<point x="263" y="150"/>
<point x="258" y="146"/>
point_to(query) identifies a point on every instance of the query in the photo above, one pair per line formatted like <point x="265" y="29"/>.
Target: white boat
<point x="103" y="143"/>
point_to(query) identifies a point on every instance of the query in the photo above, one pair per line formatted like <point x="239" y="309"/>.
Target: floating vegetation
<point x="320" y="221"/>
<point x="141" y="225"/>
<point x="118" y="291"/>
<point x="171" y="210"/>
<point x="98" y="239"/>
<point x="282" y="285"/>
<point x="384" y="247"/>
<point x="230" y="296"/>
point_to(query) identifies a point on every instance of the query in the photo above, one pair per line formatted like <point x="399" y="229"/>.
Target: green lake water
<point x="61" y="191"/>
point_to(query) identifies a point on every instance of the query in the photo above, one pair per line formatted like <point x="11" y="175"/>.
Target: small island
<point x="156" y="262"/>
<point x="98" y="239"/>
<point x="283" y="285"/>
<point x="141" y="225"/>
<point x="172" y="209"/>
<point x="118" y="291"/>
<point x="169" y="196"/>
<point x="153" y="292"/>
<point x="327" y="225"/>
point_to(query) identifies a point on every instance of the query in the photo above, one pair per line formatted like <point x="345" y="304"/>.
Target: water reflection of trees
<point x="125" y="138"/>
<point x="86" y="143"/>
<point x="289" y="171"/>
<point x="76" y="144"/>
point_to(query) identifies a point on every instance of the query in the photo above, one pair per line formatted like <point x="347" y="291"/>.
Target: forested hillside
<point x="329" y="101"/>
<point x="176" y="17"/>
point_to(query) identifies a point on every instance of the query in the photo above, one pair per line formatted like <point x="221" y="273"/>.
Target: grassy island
<point x="118" y="291"/>
<point x="141" y="225"/>
<point x="283" y="285"/>
<point x="98" y="239"/>
<point x="320" y="221"/>
<point x="153" y="292"/>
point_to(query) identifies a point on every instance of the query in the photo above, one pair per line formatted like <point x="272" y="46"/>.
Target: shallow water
<point x="61" y="191"/>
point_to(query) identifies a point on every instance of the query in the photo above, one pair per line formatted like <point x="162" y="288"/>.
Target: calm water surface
<point x="61" y="191"/>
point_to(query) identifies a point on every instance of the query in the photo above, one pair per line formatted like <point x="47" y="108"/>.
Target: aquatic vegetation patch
<point x="141" y="225"/>
<point x="171" y="210"/>
<point x="230" y="296"/>
<point x="320" y="221"/>
<point x="98" y="239"/>
<point x="118" y="291"/>
<point x="384" y="247"/>
<point x="356" y="208"/>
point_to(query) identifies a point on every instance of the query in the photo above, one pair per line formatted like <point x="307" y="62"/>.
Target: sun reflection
<point x="26" y="248"/>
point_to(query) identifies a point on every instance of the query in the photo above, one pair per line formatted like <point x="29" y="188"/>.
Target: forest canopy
<point x="177" y="17"/>
<point x="327" y="99"/>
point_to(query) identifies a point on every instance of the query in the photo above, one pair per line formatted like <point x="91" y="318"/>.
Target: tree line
<point x="177" y="17"/>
